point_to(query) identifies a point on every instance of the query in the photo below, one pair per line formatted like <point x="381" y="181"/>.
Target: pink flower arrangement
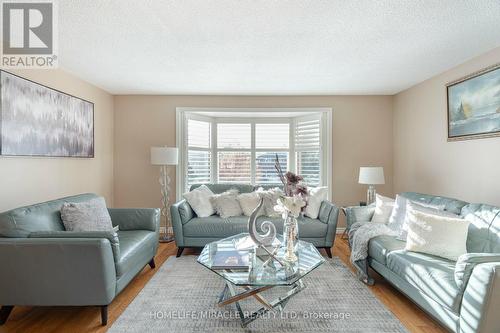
<point x="293" y="185"/>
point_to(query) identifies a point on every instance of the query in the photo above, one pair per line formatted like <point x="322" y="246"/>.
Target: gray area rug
<point x="183" y="295"/>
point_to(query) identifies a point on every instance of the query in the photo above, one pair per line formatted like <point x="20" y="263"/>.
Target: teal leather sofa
<point x="43" y="265"/>
<point x="193" y="231"/>
<point x="464" y="296"/>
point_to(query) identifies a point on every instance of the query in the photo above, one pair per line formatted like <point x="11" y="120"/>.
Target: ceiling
<point x="264" y="47"/>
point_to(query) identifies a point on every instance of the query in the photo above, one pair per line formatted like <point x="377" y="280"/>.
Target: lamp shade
<point x="164" y="156"/>
<point x="371" y="175"/>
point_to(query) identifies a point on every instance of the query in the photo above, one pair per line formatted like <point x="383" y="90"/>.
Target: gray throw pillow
<point x="90" y="215"/>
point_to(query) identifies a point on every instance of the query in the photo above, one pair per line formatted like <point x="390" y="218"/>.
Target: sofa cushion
<point x="217" y="227"/>
<point x="433" y="276"/>
<point x="380" y="246"/>
<point x="135" y="249"/>
<point x="308" y="227"/>
<point x="46" y="216"/>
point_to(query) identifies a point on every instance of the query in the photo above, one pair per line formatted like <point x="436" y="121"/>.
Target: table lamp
<point x="371" y="176"/>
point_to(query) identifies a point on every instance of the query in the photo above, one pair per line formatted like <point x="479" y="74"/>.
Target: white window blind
<point x="199" y="166"/>
<point x="265" y="173"/>
<point x="308" y="149"/>
<point x="269" y="136"/>
<point x="198" y="133"/>
<point x="199" y="155"/>
<point x="237" y="136"/>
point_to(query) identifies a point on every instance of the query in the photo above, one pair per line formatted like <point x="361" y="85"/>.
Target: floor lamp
<point x="165" y="156"/>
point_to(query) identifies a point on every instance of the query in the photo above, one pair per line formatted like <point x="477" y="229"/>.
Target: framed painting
<point x="36" y="120"/>
<point x="474" y="105"/>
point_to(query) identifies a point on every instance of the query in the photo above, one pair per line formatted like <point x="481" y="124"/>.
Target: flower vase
<point x="291" y="238"/>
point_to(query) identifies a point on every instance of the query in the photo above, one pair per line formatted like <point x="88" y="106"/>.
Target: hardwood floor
<point x="88" y="319"/>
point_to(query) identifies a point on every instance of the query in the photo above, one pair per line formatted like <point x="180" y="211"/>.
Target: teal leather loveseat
<point x="464" y="295"/>
<point x="193" y="231"/>
<point x="43" y="265"/>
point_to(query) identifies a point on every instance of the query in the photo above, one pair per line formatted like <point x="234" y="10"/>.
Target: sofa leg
<point x="104" y="315"/>
<point x="5" y="312"/>
<point x="152" y="263"/>
<point x="328" y="252"/>
<point x="179" y="251"/>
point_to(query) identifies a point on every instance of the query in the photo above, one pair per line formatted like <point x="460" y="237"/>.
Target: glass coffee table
<point x="241" y="284"/>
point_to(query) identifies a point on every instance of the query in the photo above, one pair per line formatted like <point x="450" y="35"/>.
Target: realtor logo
<point x="28" y="30"/>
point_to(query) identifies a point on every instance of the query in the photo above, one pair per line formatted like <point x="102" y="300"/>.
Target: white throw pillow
<point x="398" y="215"/>
<point x="424" y="208"/>
<point x="91" y="215"/>
<point x="226" y="204"/>
<point x="248" y="202"/>
<point x="383" y="209"/>
<point x="315" y="197"/>
<point x="436" y="235"/>
<point x="199" y="200"/>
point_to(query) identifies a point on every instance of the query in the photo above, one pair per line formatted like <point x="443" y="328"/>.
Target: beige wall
<point x="423" y="159"/>
<point x="28" y="180"/>
<point x="362" y="135"/>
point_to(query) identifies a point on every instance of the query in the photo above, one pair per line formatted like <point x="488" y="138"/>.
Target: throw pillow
<point x="315" y="197"/>
<point x="226" y="204"/>
<point x="270" y="198"/>
<point x="91" y="215"/>
<point x="248" y="202"/>
<point x="425" y="208"/>
<point x="199" y="200"/>
<point x="436" y="235"/>
<point x="383" y="209"/>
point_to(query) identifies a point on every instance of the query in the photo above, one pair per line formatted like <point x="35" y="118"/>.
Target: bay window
<point x="231" y="147"/>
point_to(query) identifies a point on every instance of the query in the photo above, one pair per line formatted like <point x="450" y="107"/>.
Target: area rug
<point x="182" y="297"/>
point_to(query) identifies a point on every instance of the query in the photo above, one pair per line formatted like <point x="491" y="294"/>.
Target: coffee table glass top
<point x="272" y="274"/>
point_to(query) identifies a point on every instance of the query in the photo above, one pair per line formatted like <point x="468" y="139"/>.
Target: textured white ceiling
<point x="270" y="47"/>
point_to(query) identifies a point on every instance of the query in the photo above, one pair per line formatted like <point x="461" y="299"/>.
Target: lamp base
<point x="166" y="238"/>
<point x="370" y="195"/>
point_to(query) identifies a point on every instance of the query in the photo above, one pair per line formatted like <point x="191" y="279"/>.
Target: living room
<point x="250" y="166"/>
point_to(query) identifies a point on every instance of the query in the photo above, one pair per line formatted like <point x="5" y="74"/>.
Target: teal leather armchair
<point x="44" y="265"/>
<point x="464" y="295"/>
<point x="192" y="231"/>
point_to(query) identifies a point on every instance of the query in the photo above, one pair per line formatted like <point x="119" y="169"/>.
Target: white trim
<point x="340" y="230"/>
<point x="326" y="153"/>
<point x="179" y="142"/>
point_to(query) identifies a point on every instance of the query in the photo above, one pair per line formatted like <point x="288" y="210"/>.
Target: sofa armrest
<point x="186" y="213"/>
<point x="329" y="214"/>
<point x="136" y="218"/>
<point x="481" y="300"/>
<point x="358" y="214"/>
<point x="181" y="213"/>
<point x="50" y="271"/>
<point x="111" y="236"/>
<point x="466" y="263"/>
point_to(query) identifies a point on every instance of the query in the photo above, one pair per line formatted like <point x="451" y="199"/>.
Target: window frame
<point x="185" y="113"/>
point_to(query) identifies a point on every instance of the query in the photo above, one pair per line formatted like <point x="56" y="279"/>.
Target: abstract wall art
<point x="36" y="120"/>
